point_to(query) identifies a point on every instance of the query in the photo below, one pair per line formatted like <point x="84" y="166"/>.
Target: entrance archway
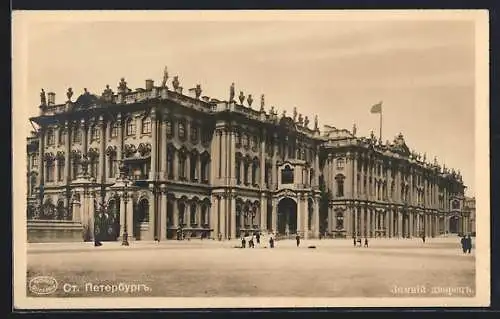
<point x="287" y="216"/>
<point x="454" y="224"/>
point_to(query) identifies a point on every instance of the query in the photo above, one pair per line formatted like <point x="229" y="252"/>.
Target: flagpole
<point x="380" y="133"/>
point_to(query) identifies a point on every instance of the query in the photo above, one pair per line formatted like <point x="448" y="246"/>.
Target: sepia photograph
<point x="237" y="159"/>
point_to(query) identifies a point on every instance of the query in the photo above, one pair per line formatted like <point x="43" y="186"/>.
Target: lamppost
<point x="121" y="186"/>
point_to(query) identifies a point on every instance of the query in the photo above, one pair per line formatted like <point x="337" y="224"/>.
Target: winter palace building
<point x="155" y="161"/>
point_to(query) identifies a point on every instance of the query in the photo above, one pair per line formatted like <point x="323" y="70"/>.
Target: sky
<point x="423" y="71"/>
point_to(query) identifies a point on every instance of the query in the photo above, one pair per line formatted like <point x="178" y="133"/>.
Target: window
<point x="238" y="171"/>
<point x="254" y="173"/>
<point x="94" y="167"/>
<point x="130" y="127"/>
<point x="192" y="216"/>
<point x="74" y="168"/>
<point x="194" y="133"/>
<point x="146" y="125"/>
<point x="77" y="135"/>
<point x="182" y="130"/>
<point x="35" y="160"/>
<point x="182" y="211"/>
<point x="114" y="129"/>
<point x="50" y="137"/>
<point x="182" y="166"/>
<point x="60" y="169"/>
<point x="340" y="185"/>
<point x="193" y="169"/>
<point x="204" y="219"/>
<point x="95" y="134"/>
<point x="50" y="171"/>
<point x="170" y="163"/>
<point x="168" y="125"/>
<point x="245" y="172"/>
<point x="287" y="175"/>
<point x="455" y="204"/>
<point x="62" y="136"/>
<point x="112" y="165"/>
<point x="340" y="164"/>
<point x="204" y="170"/>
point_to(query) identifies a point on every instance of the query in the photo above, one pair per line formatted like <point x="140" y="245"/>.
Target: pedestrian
<point x="366" y="242"/>
<point x="257" y="237"/>
<point x="250" y="242"/>
<point x="469" y="244"/>
<point x="463" y="242"/>
<point x="297" y="238"/>
<point x="220" y="236"/>
<point x="243" y="242"/>
<point x="271" y="241"/>
<point x="354" y="241"/>
<point x="359" y="241"/>
<point x="423" y="239"/>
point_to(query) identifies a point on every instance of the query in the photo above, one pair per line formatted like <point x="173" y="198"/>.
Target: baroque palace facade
<point x="222" y="169"/>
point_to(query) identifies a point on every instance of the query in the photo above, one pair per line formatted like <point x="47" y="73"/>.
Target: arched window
<point x="168" y="126"/>
<point x="114" y="129"/>
<point x="60" y="168"/>
<point x="62" y="136"/>
<point x="170" y="163"/>
<point x="287" y="175"/>
<point x="311" y="176"/>
<point x="77" y="135"/>
<point x="238" y="169"/>
<point x="340" y="221"/>
<point x="204" y="168"/>
<point x="146" y="125"/>
<point x="192" y="215"/>
<point x="50" y="137"/>
<point x="182" y="130"/>
<point x="246" y="166"/>
<point x="194" y="133"/>
<point x="130" y="127"/>
<point x="143" y="211"/>
<point x="255" y="165"/>
<point x="112" y="165"/>
<point x="182" y="166"/>
<point x="340" y="185"/>
<point x="94" y="133"/>
<point x="50" y="170"/>
<point x="204" y="214"/>
<point x="182" y="211"/>
<point x="340" y="164"/>
<point x="193" y="162"/>
<point x="455" y="204"/>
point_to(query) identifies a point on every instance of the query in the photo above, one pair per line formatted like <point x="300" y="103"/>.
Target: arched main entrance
<point x="287" y="216"/>
<point x="454" y="224"/>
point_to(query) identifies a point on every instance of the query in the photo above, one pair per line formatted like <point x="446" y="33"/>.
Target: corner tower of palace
<point x="201" y="167"/>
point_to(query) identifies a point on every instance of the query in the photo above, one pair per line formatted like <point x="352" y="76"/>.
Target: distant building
<point x="215" y="168"/>
<point x="470" y="211"/>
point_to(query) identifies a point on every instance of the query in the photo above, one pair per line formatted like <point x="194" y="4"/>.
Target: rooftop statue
<point x="271" y="111"/>
<point x="241" y="97"/>
<point x="43" y="98"/>
<point x="306" y="121"/>
<point x="122" y="86"/>
<point x="107" y="93"/>
<point x="175" y="82"/>
<point x="250" y="100"/>
<point x="284" y="113"/>
<point x="69" y="94"/>
<point x="301" y="120"/>
<point x="316" y="122"/>
<point x="354" y="129"/>
<point x="231" y="92"/>
<point x="198" y="91"/>
<point x="165" y="78"/>
<point x="295" y="114"/>
<point x="262" y="103"/>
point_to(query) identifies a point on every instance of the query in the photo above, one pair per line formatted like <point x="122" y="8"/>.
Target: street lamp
<point x="122" y="185"/>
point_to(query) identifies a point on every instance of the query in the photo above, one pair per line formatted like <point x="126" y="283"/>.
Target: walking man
<point x="469" y="244"/>
<point x="463" y="242"/>
<point x="297" y="238"/>
<point x="366" y="242"/>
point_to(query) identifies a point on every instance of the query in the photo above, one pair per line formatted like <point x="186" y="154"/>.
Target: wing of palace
<point x="222" y="169"/>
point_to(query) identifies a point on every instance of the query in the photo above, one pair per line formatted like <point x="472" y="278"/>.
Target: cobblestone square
<point x="387" y="268"/>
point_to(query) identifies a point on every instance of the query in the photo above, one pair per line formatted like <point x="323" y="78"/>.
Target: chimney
<point x="149" y="84"/>
<point x="51" y="98"/>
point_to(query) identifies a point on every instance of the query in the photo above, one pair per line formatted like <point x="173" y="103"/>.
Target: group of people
<point x="466" y="243"/>
<point x="357" y="241"/>
<point x="251" y="240"/>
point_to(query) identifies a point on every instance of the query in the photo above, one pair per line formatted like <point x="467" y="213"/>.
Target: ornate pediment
<point x="286" y="193"/>
<point x="144" y="149"/>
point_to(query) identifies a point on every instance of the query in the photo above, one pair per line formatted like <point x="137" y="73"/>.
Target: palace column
<point x="162" y="142"/>
<point x="154" y="145"/>
<point x="67" y="152"/>
<point x="274" y="215"/>
<point x="300" y="218"/>
<point x="119" y="149"/>
<point x="175" y="174"/>
<point x="411" y="217"/>
<point x="356" y="217"/>
<point x="355" y="176"/>
<point x="315" y="218"/>
<point x="362" y="210"/>
<point x="232" y="211"/>
<point x="175" y="207"/>
<point x="153" y="211"/>
<point x="102" y="151"/>
<point x="316" y="170"/>
<point x="369" y="222"/>
<point x="163" y="213"/>
<point x="122" y="215"/>
<point x="263" y="212"/>
<point x="330" y="219"/>
<point x="400" y="223"/>
<point x="130" y="217"/>
<point x="214" y="220"/>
